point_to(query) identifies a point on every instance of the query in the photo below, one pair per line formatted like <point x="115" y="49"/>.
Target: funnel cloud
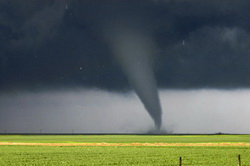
<point x="135" y="51"/>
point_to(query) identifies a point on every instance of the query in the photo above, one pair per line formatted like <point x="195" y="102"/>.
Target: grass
<point x="125" y="138"/>
<point x="34" y="155"/>
<point x="86" y="155"/>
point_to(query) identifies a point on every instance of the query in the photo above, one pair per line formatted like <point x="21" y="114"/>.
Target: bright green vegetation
<point x="130" y="155"/>
<point x="125" y="138"/>
<point x="83" y="155"/>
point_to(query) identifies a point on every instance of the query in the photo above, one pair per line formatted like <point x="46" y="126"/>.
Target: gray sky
<point x="94" y="111"/>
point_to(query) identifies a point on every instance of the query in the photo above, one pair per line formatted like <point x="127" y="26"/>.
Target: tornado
<point x="135" y="51"/>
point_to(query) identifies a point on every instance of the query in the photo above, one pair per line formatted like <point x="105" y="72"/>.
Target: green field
<point x="128" y="155"/>
<point x="125" y="138"/>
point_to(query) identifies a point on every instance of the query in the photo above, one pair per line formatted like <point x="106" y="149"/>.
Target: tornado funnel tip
<point x="158" y="124"/>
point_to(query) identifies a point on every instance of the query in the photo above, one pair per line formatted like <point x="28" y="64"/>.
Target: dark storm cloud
<point x="59" y="43"/>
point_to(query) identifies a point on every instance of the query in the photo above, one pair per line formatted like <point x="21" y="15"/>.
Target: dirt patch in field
<point x="125" y="144"/>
